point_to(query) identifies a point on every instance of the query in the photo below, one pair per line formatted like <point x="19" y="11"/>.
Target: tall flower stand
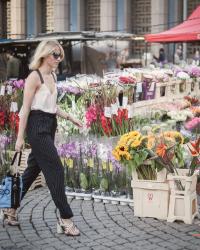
<point x="151" y="197"/>
<point x="183" y="203"/>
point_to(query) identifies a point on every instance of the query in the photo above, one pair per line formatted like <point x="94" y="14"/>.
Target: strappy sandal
<point x="9" y="217"/>
<point x="67" y="228"/>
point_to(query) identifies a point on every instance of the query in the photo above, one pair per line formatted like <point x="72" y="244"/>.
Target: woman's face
<point x="54" y="58"/>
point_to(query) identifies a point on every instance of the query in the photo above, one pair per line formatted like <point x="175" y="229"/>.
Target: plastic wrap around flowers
<point x="183" y="75"/>
<point x="105" y="154"/>
<point x="89" y="149"/>
<point x="69" y="150"/>
<point x="4" y="141"/>
<point x="193" y="124"/>
<point x="69" y="90"/>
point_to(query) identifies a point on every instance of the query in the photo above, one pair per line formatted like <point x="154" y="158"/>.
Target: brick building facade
<point x="21" y="19"/>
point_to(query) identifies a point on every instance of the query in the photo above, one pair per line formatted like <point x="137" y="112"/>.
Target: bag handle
<point x="15" y="156"/>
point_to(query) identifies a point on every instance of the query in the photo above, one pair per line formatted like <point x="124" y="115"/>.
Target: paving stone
<point x="103" y="226"/>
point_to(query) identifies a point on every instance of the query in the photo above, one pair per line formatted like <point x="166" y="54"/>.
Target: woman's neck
<point x="45" y="69"/>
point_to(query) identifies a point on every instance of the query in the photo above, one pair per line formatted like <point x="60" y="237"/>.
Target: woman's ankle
<point x="65" y="220"/>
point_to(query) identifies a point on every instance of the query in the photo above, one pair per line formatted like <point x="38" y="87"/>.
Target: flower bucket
<point x="183" y="201"/>
<point x="188" y="182"/>
<point x="161" y="176"/>
<point x="151" y="199"/>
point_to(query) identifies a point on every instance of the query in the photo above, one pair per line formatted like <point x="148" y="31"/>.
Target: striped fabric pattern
<point x="41" y="128"/>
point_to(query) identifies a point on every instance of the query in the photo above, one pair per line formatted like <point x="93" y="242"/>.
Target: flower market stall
<point x="141" y="127"/>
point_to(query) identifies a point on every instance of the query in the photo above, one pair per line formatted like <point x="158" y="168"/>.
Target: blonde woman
<point x="38" y="118"/>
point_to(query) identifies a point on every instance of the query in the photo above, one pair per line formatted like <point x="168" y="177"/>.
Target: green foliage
<point x="104" y="184"/>
<point x="83" y="181"/>
<point x="94" y="181"/>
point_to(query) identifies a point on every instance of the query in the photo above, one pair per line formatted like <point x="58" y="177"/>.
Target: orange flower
<point x="161" y="150"/>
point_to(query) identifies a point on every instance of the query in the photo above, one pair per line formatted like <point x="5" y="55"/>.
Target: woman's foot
<point x="10" y="217"/>
<point x="67" y="227"/>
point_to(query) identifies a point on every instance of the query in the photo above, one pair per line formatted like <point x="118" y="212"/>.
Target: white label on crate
<point x="13" y="107"/>
<point x="139" y="87"/>
<point x="117" y="102"/>
<point x="107" y="112"/>
<point x="152" y="86"/>
<point x="125" y="101"/>
<point x="9" y="90"/>
<point x="130" y="111"/>
<point x="114" y="108"/>
<point x="2" y="92"/>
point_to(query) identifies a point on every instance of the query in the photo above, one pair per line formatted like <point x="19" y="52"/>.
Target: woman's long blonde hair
<point x="44" y="49"/>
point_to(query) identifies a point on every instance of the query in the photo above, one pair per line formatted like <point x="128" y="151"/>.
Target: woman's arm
<point x="61" y="113"/>
<point x="29" y="92"/>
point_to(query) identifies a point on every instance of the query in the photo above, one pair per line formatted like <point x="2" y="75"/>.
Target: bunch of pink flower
<point x="193" y="124"/>
<point x="91" y="115"/>
<point x="18" y="84"/>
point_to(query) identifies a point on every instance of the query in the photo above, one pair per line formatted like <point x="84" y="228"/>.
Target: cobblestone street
<point x="103" y="226"/>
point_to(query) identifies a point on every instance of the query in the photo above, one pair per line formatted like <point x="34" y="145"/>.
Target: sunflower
<point x="136" y="143"/>
<point x="134" y="134"/>
<point x="116" y="155"/>
<point x="127" y="156"/>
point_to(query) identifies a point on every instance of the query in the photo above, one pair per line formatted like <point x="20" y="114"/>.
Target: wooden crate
<point x="151" y="199"/>
<point x="183" y="204"/>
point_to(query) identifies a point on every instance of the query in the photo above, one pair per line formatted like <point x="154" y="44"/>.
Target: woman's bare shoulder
<point x="33" y="79"/>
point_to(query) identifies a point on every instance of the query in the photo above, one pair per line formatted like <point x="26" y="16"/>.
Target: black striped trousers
<point x="41" y="128"/>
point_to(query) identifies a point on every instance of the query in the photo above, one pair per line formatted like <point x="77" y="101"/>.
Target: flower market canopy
<point x="187" y="31"/>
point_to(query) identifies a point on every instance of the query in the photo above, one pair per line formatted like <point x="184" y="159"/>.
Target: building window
<point x="73" y="15"/>
<point x="30" y="17"/>
<point x="92" y="15"/>
<point x="50" y="15"/>
<point x="120" y="15"/>
<point x="5" y="19"/>
<point x="43" y="16"/>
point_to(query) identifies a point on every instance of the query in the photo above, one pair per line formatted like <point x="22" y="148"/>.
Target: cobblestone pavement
<point x="103" y="226"/>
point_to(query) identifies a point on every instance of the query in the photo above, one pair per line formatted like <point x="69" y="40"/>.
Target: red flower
<point x="14" y="121"/>
<point x="2" y="119"/>
<point x="122" y="114"/>
<point x="127" y="79"/>
<point x="106" y="125"/>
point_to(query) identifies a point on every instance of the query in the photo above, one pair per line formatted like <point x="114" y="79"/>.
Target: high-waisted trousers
<point x="41" y="128"/>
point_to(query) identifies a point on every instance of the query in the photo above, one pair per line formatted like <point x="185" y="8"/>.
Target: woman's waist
<point x="42" y="113"/>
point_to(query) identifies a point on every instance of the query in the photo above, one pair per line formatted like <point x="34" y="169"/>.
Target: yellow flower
<point x="150" y="141"/>
<point x="175" y="135"/>
<point x="122" y="147"/>
<point x="136" y="143"/>
<point x="133" y="134"/>
<point x="127" y="156"/>
<point x="116" y="155"/>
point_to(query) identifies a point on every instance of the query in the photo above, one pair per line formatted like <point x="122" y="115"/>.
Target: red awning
<point x="187" y="31"/>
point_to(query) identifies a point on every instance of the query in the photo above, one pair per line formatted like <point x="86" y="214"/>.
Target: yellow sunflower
<point x="136" y="143"/>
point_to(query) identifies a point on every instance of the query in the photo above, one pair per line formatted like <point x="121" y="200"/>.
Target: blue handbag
<point x="11" y="187"/>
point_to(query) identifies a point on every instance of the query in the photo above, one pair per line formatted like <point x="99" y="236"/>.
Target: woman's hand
<point x="77" y="122"/>
<point x="19" y="144"/>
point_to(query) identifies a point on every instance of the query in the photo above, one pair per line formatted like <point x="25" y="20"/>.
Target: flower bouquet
<point x="149" y="154"/>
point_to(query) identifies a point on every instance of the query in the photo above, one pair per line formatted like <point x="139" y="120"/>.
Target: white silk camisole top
<point x="44" y="100"/>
